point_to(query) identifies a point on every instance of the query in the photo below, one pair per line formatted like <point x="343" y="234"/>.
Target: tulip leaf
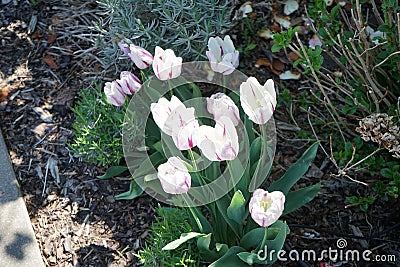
<point x="262" y="170"/>
<point x="298" y="198"/>
<point x="237" y="209"/>
<point x="203" y="243"/>
<point x="223" y="204"/>
<point x="169" y="147"/>
<point x="255" y="236"/>
<point x="230" y="259"/>
<point x="152" y="132"/>
<point x="249" y="257"/>
<point x="255" y="150"/>
<point x="274" y="243"/>
<point x="158" y="147"/>
<point x="113" y="171"/>
<point x="296" y="171"/>
<point x="196" y="90"/>
<point x="183" y="239"/>
<point x="147" y="165"/>
<point x="248" y="124"/>
<point x="134" y="191"/>
<point x="238" y="171"/>
<point x="152" y="90"/>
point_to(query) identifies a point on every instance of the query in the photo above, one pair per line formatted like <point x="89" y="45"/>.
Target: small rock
<point x="44" y="114"/>
<point x="5" y="2"/>
<point x="67" y="244"/>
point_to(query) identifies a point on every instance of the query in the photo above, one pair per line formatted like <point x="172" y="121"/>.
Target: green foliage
<point x="283" y="39"/>
<point x="168" y="226"/>
<point x="248" y="36"/>
<point x="181" y="25"/>
<point x="285" y="98"/>
<point x="363" y="202"/>
<point x="97" y="128"/>
<point x="379" y="165"/>
<point x="316" y="59"/>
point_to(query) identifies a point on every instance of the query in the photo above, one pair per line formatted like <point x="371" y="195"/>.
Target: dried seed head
<point x="379" y="128"/>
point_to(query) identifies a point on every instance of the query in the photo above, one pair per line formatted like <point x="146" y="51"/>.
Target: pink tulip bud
<point x="266" y="208"/>
<point x="174" y="176"/>
<point x="114" y="93"/>
<point x="258" y="101"/>
<point x="140" y="56"/>
<point x="129" y="83"/>
<point x="166" y="65"/>
<point x="124" y="48"/>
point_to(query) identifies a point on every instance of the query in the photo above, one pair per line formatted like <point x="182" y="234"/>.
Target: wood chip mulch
<point x="75" y="217"/>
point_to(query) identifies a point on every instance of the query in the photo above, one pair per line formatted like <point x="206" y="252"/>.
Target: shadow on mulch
<point x="75" y="217"/>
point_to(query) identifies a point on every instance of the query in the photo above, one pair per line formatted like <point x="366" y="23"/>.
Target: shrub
<point x="97" y="128"/>
<point x="169" y="224"/>
<point x="182" y="25"/>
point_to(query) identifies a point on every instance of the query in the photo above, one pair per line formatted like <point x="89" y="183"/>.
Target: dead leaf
<point x="244" y="10"/>
<point x="36" y="35"/>
<point x="275" y="27"/>
<point x="53" y="167"/>
<point x="51" y="37"/>
<point x="50" y="61"/>
<point x="278" y="65"/>
<point x="55" y="19"/>
<point x="289" y="75"/>
<point x="4" y="94"/>
<point x="337" y="74"/>
<point x="44" y="114"/>
<point x="283" y="21"/>
<point x="265" y="62"/>
<point x="290" y="7"/>
<point x="293" y="56"/>
<point x="266" y="34"/>
<point x="275" y="8"/>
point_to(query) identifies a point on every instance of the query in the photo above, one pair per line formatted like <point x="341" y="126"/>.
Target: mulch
<point x="75" y="217"/>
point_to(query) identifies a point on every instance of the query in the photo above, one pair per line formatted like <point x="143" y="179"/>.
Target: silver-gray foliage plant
<point x="181" y="25"/>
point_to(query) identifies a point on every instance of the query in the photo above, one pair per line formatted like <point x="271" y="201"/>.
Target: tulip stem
<point x="170" y="88"/>
<point x="228" y="163"/>
<point x="262" y="245"/>
<point x="196" y="219"/>
<point x="193" y="159"/>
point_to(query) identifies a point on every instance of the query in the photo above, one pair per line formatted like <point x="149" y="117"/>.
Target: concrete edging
<point x="18" y="245"/>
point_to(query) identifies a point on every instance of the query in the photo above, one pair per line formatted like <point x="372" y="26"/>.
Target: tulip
<point x="220" y="105"/>
<point x="223" y="56"/>
<point x="129" y="83"/>
<point x="266" y="208"/>
<point x="175" y="120"/>
<point x="174" y="176"/>
<point x="140" y="56"/>
<point x="114" y="93"/>
<point x="166" y="65"/>
<point x="258" y="101"/>
<point x="184" y="136"/>
<point x="124" y="48"/>
<point x="220" y="142"/>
